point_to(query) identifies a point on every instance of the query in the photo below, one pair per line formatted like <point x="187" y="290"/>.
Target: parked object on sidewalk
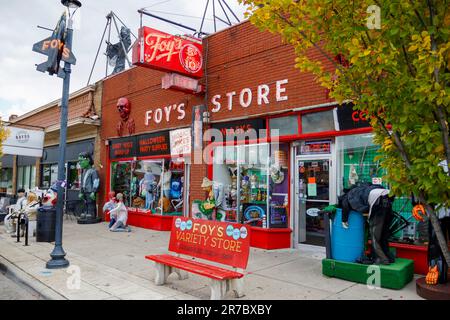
<point x="11" y="218"/>
<point x="45" y="224"/>
<point x="225" y="243"/>
<point x="90" y="183"/>
<point x="393" y="276"/>
<point x="119" y="216"/>
<point x="374" y="200"/>
<point x="347" y="244"/>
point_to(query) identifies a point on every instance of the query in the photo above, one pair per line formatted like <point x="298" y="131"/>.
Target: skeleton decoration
<point x="124" y="108"/>
<point x="115" y="52"/>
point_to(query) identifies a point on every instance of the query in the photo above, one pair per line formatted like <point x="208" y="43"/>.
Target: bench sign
<point x="222" y="242"/>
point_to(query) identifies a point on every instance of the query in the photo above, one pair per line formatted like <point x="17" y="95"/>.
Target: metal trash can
<point x="45" y="225"/>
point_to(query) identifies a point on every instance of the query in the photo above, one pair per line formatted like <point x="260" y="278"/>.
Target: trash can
<point x="347" y="244"/>
<point x="45" y="225"/>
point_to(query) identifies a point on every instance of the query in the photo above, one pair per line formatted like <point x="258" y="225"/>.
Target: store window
<point x="318" y="122"/>
<point x="73" y="176"/>
<point x="251" y="177"/>
<point x="6" y="180"/>
<point x="49" y="175"/>
<point x="284" y="126"/>
<point x="356" y="161"/>
<point x="26" y="177"/>
<point x="154" y="186"/>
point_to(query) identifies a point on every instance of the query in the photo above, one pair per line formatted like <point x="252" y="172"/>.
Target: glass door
<point x="313" y="185"/>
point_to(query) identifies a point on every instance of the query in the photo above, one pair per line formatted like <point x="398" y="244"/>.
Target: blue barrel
<point x="347" y="244"/>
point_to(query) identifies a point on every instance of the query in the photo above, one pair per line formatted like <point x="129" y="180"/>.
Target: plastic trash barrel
<point x="45" y="225"/>
<point x="347" y="244"/>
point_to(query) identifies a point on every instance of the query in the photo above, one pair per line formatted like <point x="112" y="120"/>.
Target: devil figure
<point x="125" y="123"/>
<point x="89" y="186"/>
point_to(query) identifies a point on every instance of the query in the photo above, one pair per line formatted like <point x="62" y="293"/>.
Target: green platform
<point x="394" y="276"/>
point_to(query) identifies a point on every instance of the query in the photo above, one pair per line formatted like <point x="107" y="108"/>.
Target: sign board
<point x="242" y="129"/>
<point x="349" y="119"/>
<point x="153" y="144"/>
<point x="315" y="147"/>
<point x="162" y="51"/>
<point x="178" y="82"/>
<point x="24" y="142"/>
<point x="180" y="142"/>
<point x="122" y="148"/>
<point x="223" y="242"/>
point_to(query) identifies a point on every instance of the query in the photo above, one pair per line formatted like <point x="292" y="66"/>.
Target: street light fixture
<point x="58" y="259"/>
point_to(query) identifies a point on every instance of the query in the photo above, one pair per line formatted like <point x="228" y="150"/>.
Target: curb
<point x="16" y="274"/>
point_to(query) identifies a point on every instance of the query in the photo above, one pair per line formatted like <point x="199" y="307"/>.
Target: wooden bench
<point x="220" y="242"/>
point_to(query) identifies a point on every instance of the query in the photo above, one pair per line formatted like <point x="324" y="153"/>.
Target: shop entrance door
<point x="313" y="193"/>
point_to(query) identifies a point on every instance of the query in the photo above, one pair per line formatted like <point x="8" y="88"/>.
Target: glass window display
<point x="6" y="180"/>
<point x="150" y="185"/>
<point x="254" y="181"/>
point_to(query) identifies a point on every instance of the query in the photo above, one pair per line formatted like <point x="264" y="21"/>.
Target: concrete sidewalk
<point x="112" y="266"/>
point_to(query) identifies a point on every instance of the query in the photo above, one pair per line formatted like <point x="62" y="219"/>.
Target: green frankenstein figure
<point x="89" y="186"/>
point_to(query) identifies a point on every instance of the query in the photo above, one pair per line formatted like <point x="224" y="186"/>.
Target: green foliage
<point x="399" y="74"/>
<point x="3" y="135"/>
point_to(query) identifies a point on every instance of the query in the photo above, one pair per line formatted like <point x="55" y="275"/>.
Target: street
<point x="11" y="290"/>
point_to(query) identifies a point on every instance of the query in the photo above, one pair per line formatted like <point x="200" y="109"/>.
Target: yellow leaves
<point x="412" y="48"/>
<point x="354" y="59"/>
<point x="355" y="42"/>
<point x="439" y="149"/>
<point x="367" y="52"/>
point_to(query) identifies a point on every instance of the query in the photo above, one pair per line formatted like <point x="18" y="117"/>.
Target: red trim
<point x="108" y="174"/>
<point x="270" y="239"/>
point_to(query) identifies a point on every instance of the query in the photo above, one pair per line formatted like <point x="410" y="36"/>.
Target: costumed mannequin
<point x="31" y="211"/>
<point x="108" y="206"/>
<point x="120" y="212"/>
<point x="207" y="207"/>
<point x="10" y="219"/>
<point x="124" y="108"/>
<point x="166" y="176"/>
<point x="437" y="266"/>
<point x="89" y="187"/>
<point x="373" y="199"/>
<point x="146" y="188"/>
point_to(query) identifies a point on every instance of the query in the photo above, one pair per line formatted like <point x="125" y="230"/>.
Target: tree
<point x="3" y="135"/>
<point x="392" y="59"/>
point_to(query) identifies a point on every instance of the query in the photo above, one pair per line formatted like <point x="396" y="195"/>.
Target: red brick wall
<point x="236" y="58"/>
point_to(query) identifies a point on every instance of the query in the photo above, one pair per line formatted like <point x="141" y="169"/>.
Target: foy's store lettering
<point x="165" y="113"/>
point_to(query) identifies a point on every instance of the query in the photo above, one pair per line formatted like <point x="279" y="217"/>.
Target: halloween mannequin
<point x="31" y="212"/>
<point x="146" y="187"/>
<point x="126" y="123"/>
<point x="10" y="219"/>
<point x="89" y="187"/>
<point x="207" y="207"/>
<point x="437" y="266"/>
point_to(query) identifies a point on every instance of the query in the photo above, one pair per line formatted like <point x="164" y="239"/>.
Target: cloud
<point x="23" y="89"/>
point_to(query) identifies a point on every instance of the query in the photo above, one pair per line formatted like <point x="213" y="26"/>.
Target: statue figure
<point x="10" y="219"/>
<point x="124" y="108"/>
<point x="89" y="187"/>
<point x="115" y="52"/>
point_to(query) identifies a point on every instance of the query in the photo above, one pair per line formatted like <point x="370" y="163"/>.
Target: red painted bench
<point x="224" y="243"/>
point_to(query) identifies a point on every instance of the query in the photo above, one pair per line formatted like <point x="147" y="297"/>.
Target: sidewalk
<point x="112" y="266"/>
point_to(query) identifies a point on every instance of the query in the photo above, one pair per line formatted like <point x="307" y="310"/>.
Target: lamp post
<point x="58" y="259"/>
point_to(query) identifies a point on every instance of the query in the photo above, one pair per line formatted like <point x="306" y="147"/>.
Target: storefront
<point x="152" y="182"/>
<point x="6" y="175"/>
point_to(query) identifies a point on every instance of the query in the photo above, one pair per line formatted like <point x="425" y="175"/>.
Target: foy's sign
<point x="158" y="50"/>
<point x="226" y="243"/>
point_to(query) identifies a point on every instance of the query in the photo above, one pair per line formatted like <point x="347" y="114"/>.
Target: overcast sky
<point x="22" y="88"/>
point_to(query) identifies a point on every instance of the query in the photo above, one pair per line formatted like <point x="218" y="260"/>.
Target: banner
<point x="180" y="142"/>
<point x="222" y="242"/>
<point x="24" y="142"/>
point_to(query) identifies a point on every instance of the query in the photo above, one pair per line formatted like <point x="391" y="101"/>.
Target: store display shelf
<point x="270" y="239"/>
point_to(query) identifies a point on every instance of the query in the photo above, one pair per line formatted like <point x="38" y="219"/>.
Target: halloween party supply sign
<point x="162" y="51"/>
<point x="222" y="242"/>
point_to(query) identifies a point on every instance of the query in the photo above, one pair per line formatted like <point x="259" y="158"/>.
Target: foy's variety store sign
<point x="226" y="243"/>
<point x="163" y="51"/>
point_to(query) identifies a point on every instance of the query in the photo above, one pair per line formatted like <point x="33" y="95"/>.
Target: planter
<point x="147" y="220"/>
<point x="270" y="239"/>
<point x="414" y="252"/>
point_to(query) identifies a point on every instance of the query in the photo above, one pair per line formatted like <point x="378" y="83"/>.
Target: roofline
<point x="227" y="28"/>
<point x="54" y="103"/>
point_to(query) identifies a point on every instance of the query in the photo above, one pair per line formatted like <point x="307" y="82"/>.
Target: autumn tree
<point x="3" y="136"/>
<point x="391" y="58"/>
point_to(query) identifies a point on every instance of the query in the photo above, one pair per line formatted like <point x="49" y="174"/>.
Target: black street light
<point x="58" y="259"/>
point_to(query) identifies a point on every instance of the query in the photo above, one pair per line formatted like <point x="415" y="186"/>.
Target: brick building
<point x="281" y="149"/>
<point x="84" y="113"/>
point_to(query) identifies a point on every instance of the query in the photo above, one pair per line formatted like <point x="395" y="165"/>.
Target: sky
<point x="23" y="89"/>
